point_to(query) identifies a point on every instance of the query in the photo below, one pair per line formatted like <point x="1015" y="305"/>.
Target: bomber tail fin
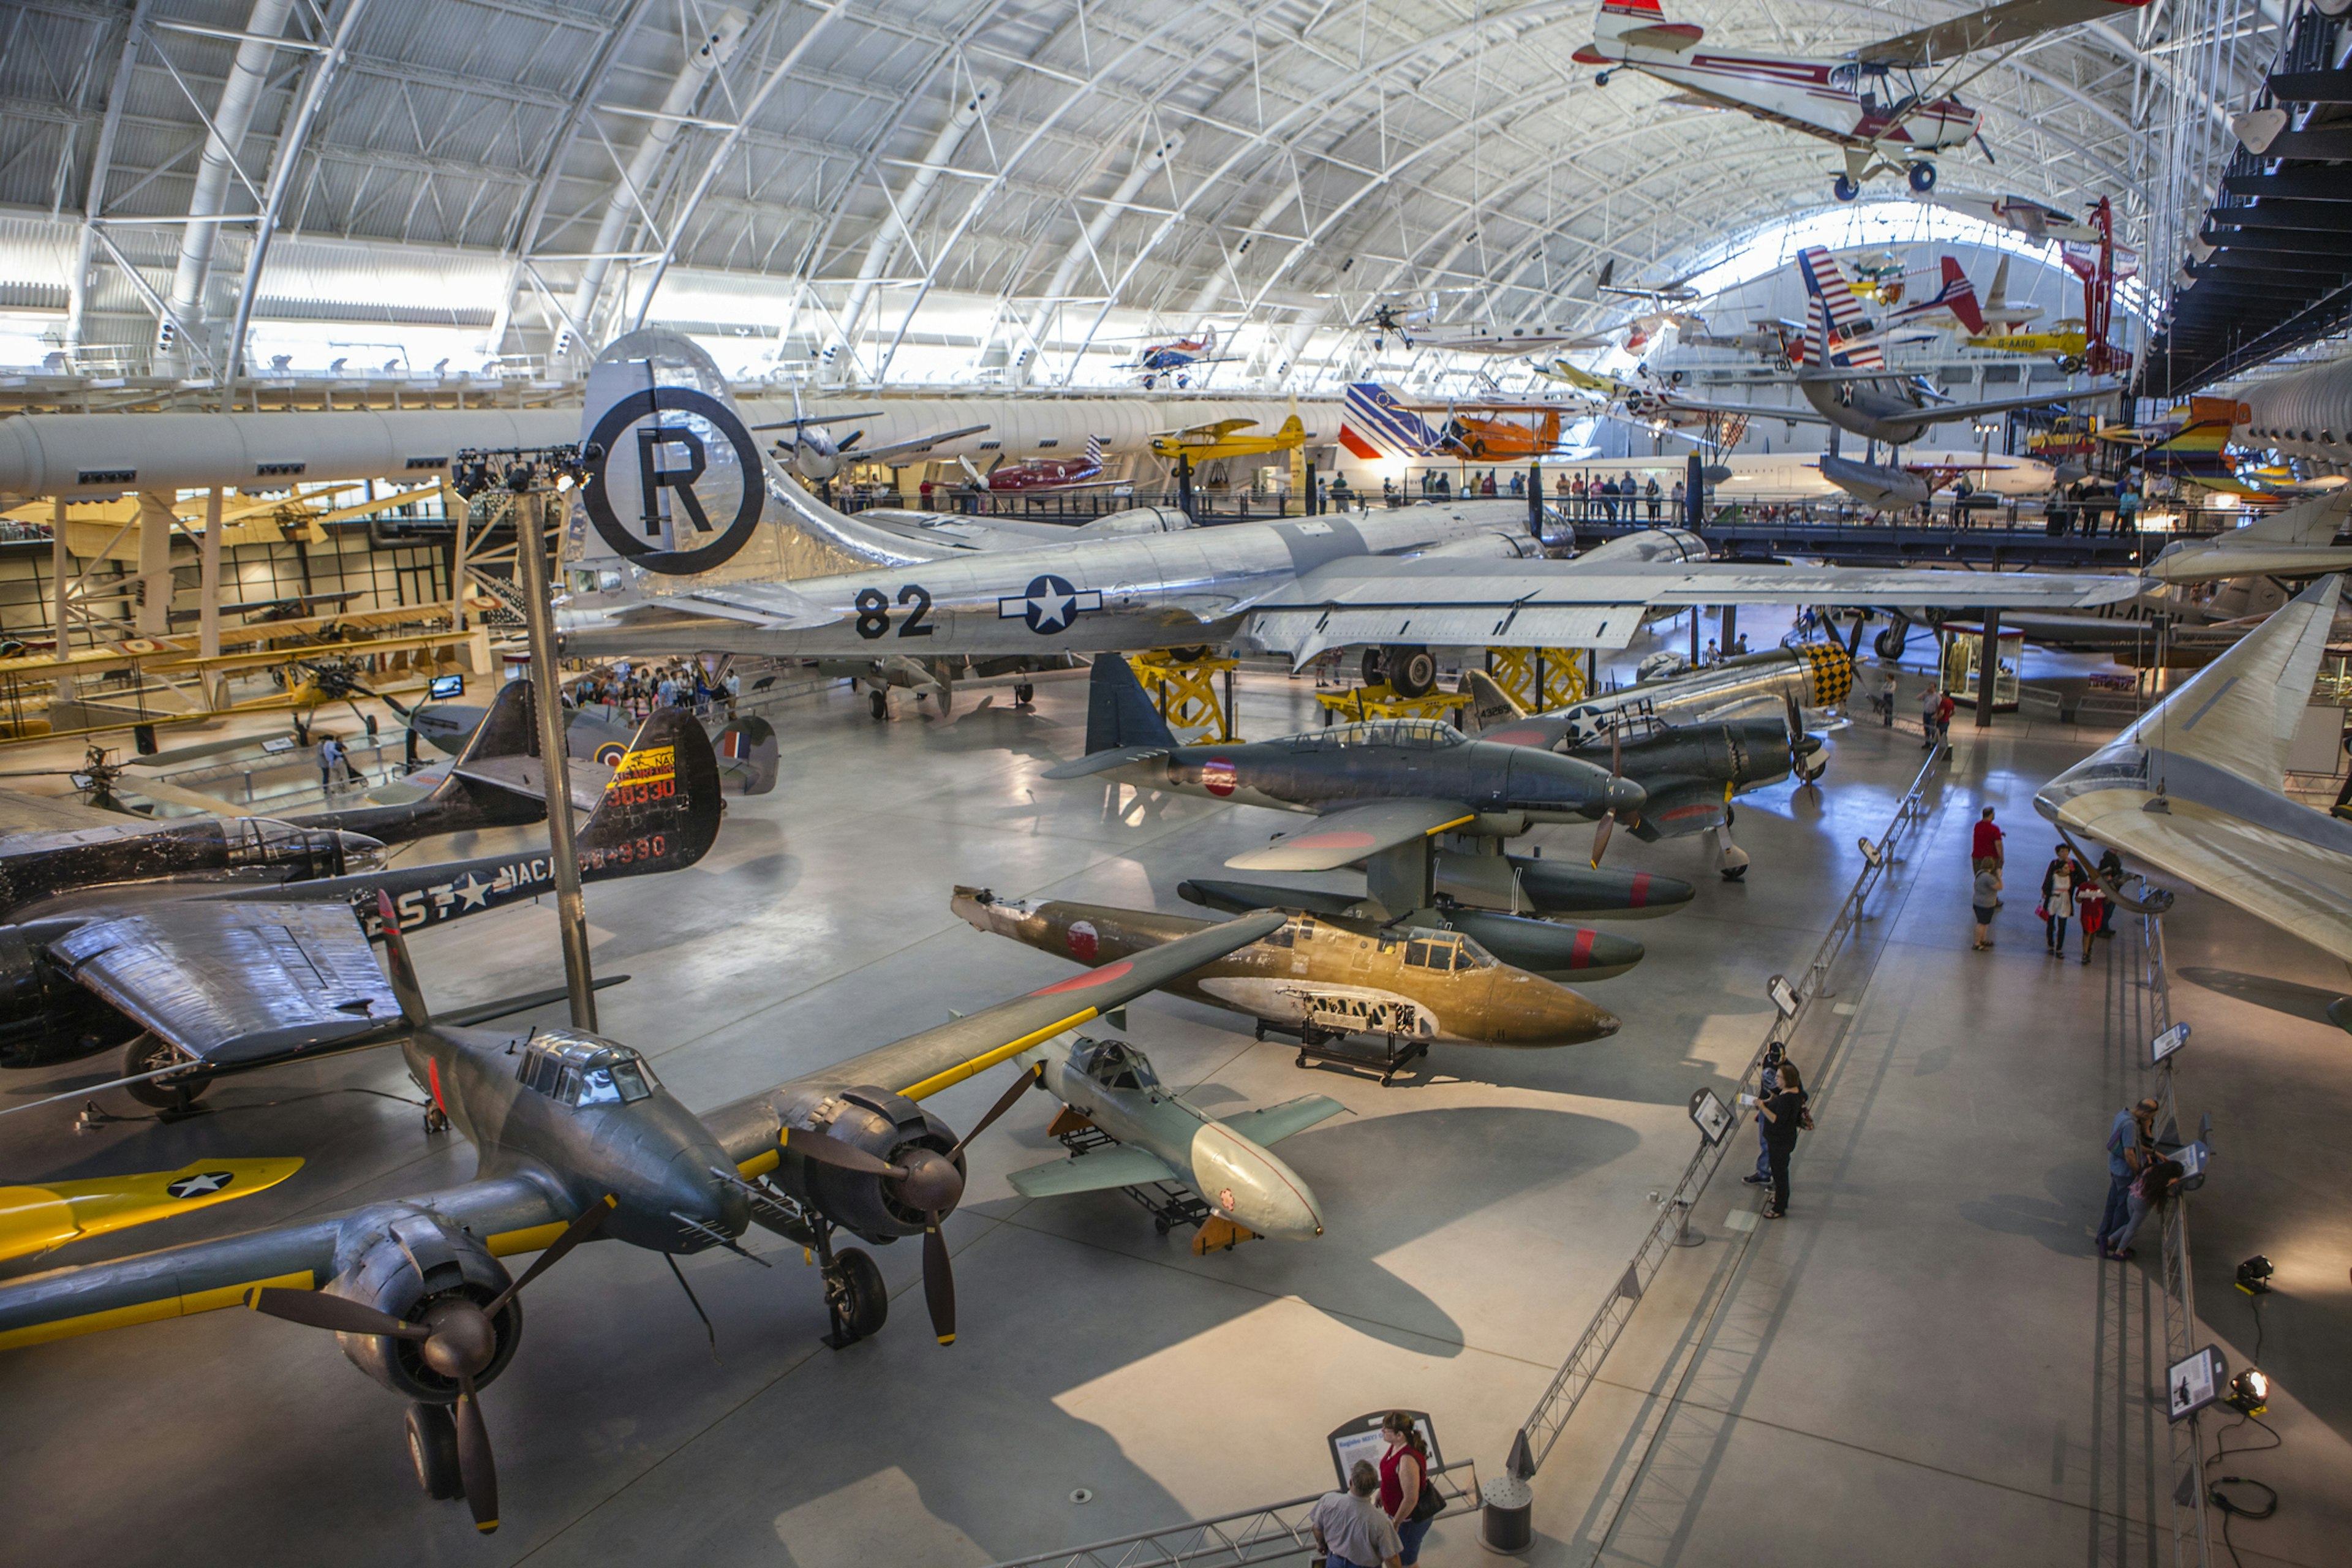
<point x="1490" y="703"/>
<point x="661" y="809"/>
<point x="1118" y="713"/>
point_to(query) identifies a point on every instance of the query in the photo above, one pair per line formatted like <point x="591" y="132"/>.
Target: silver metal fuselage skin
<point x="1240" y="1179"/>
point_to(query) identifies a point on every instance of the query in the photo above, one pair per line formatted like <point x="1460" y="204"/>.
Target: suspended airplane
<point x="1040" y="473"/>
<point x="687" y="540"/>
<point x="1177" y="359"/>
<point x="1885" y="126"/>
<point x="1678" y="292"/>
<point x="205" y="943"/>
<point x="2023" y="216"/>
<point x="579" y="1141"/>
<point x="2194" y="787"/>
<point x="813" y="453"/>
<point x="1468" y="337"/>
<point x="1207" y="443"/>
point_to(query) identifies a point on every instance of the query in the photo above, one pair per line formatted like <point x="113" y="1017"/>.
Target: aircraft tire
<point x="1844" y="188"/>
<point x="147" y="1053"/>
<point x="1025" y="692"/>
<point x="1735" y="874"/>
<point x="1600" y="79"/>
<point x="1889" y="642"/>
<point x="2071" y="364"/>
<point x="432" y="1451"/>
<point x="1411" y="671"/>
<point x="865" y="1300"/>
<point x="878" y="704"/>
<point x="1922" y="178"/>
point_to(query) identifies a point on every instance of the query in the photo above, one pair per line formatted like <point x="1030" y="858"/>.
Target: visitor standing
<point x="2058" y="885"/>
<point x="1407" y="1497"/>
<point x="2130" y="1139"/>
<point x="1785" y="1115"/>
<point x="1350" y="1531"/>
<point x="1652" y="492"/>
<point x="1984" y="901"/>
<point x="1768" y="1084"/>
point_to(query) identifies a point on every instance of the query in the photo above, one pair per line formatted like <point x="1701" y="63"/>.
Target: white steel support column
<point x="904" y="208"/>
<point x="60" y="581"/>
<point x="154" y="616"/>
<point x="629" y="196"/>
<point x="1089" y="245"/>
<point x="209" y="579"/>
<point x="231" y="118"/>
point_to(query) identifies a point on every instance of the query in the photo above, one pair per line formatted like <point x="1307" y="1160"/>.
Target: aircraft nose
<point x="359" y="852"/>
<point x="1252" y="1188"/>
<point x="693" y="1191"/>
<point x="1807" y="743"/>
<point x="1624" y="795"/>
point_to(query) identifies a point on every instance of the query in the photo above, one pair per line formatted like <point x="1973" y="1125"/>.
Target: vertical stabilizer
<point x="1960" y="295"/>
<point x="2239" y="713"/>
<point x="1118" y="712"/>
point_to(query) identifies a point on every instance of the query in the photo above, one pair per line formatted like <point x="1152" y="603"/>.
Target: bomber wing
<point x="909" y="449"/>
<point x="511" y="1214"/>
<point x="22" y="812"/>
<point x="1989" y="28"/>
<point x="1456" y="602"/>
<point x="1276" y="1123"/>
<point x="45" y="1216"/>
<point x="945" y="1056"/>
<point x="1943" y="413"/>
<point x="228" y="981"/>
<point x="1344" y="836"/>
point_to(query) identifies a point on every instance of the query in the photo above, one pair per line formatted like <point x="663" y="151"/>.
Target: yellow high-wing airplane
<point x="1206" y="443"/>
<point x="36" y="1219"/>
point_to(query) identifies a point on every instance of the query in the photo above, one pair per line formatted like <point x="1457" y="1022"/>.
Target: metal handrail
<point x="2191" y="1526"/>
<point x="1266" y="1534"/>
<point x="1560" y="1399"/>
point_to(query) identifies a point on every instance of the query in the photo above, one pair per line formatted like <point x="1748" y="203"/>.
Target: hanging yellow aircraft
<point x="1207" y="443"/>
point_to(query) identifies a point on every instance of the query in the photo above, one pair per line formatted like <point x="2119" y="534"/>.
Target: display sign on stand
<point x="1360" y="1439"/>
<point x="1713" y="1117"/>
<point x="2165" y="1043"/>
<point x="2195" y="1382"/>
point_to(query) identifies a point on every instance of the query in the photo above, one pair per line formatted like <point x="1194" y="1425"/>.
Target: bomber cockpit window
<point x="580" y="1070"/>
<point x="1443" y="954"/>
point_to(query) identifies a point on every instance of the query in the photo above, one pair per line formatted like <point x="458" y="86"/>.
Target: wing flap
<point x="1098" y="1170"/>
<point x="227" y="981"/>
<point x="1344" y="836"/>
<point x="1276" y="1123"/>
<point x="1989" y="28"/>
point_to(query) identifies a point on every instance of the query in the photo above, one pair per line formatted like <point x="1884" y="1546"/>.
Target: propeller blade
<point x="1601" y="831"/>
<point x="476" y="1468"/>
<point x="939" y="1281"/>
<point x="590" y="1221"/>
<point x="336" y="1314"/>
<point x="827" y="1150"/>
<point x="855" y="437"/>
<point x="1005" y="1103"/>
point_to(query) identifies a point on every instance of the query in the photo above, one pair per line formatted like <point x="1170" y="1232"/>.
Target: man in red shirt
<point x="1985" y="849"/>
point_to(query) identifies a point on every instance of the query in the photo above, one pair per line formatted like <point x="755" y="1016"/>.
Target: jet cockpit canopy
<point x="574" y="1069"/>
<point x="1114" y="1064"/>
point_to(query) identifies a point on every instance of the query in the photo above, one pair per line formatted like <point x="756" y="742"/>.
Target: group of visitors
<point x="2071" y="892"/>
<point x="1584" y="499"/>
<point x="1936" y="709"/>
<point x="681" y="683"/>
<point x="1714" y="654"/>
<point x="1379" y="1520"/>
<point x="2139" y="1178"/>
<point x="2077" y="509"/>
<point x="1783" y="1110"/>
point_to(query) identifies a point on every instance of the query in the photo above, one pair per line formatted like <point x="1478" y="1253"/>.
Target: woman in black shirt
<point x="1785" y="1115"/>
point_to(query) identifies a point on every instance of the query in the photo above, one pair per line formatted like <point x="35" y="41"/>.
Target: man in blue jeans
<point x="1768" y="1084"/>
<point x="1350" y="1531"/>
<point x="2129" y="1138"/>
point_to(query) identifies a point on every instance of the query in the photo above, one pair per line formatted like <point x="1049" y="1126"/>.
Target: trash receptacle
<point x="1506" y="1514"/>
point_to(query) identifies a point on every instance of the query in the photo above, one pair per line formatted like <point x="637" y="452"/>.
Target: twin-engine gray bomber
<point x="687" y="538"/>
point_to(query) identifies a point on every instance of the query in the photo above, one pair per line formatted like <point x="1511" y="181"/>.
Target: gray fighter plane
<point x="687" y="538"/>
<point x="579" y="1141"/>
<point x="2193" y="787"/>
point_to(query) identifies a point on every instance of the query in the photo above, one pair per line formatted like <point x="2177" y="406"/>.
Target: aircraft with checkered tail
<point x="578" y="1142"/>
<point x="687" y="538"/>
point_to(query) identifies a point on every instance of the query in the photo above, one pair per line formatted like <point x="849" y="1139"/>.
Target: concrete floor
<point x="1476" y="1220"/>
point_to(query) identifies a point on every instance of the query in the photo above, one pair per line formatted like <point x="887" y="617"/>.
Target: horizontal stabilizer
<point x="1354" y="833"/>
<point x="524" y="776"/>
<point x="1103" y="761"/>
<point x="1276" y="1123"/>
<point x="2240" y="713"/>
<point x="1097" y="1170"/>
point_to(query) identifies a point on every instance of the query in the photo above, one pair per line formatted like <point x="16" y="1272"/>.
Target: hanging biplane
<point x="1891" y="105"/>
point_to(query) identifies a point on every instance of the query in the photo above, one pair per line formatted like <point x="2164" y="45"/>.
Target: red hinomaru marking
<point x="1579" y="951"/>
<point x="1217" y="777"/>
<point x="1339" y="839"/>
<point x="1641" y="894"/>
<point x="1515" y="737"/>
<point x="1701" y="809"/>
<point x="1103" y="976"/>
<point x="1083" y="945"/>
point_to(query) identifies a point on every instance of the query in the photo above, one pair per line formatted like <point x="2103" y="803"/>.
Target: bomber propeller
<point x="928" y="1181"/>
<point x="1602" y="830"/>
<point x="456" y="1338"/>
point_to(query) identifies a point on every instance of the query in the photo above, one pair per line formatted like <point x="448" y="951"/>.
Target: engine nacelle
<point x="43" y="1015"/>
<point x="885" y="1125"/>
<point x="401" y="1261"/>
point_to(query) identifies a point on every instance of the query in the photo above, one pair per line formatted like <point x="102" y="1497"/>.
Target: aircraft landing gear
<point x="1922" y="178"/>
<point x="1889" y="643"/>
<point x="1730" y="857"/>
<point x="1409" y="671"/>
<point x="433" y="1449"/>
<point x="1600" y="79"/>
<point x="1024" y="693"/>
<point x="1845" y="187"/>
<point x="149" y="1053"/>
<point x="878" y="704"/>
<point x="855" y="1298"/>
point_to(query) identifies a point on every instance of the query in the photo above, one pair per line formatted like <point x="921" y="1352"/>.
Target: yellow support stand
<point x="1197" y="705"/>
<point x="1538" y="678"/>
<point x="1378" y="702"/>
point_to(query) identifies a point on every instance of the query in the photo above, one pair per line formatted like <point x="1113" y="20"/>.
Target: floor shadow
<point x="2306" y="1002"/>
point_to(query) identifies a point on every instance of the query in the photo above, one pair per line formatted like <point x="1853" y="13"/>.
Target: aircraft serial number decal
<point x="874" y="612"/>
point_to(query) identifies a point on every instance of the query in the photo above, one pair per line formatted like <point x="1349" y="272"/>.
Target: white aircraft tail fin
<point x="2239" y="713"/>
<point x="1375" y="415"/>
<point x="681" y="491"/>
<point x="1997" y="297"/>
<point x="1643" y="23"/>
<point x="2312" y="522"/>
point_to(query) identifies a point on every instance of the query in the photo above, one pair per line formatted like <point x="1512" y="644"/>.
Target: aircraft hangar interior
<point x="1229" y="784"/>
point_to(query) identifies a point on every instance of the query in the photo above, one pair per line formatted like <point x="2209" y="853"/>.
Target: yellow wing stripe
<point x="153" y="1311"/>
<point x="760" y="1164"/>
<point x="987" y="1060"/>
<point x="533" y="1238"/>
<point x="1443" y="826"/>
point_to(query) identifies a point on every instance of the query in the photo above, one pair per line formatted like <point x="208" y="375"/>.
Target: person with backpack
<point x="2059" y="882"/>
<point x="1785" y="1114"/>
<point x="1406" y="1495"/>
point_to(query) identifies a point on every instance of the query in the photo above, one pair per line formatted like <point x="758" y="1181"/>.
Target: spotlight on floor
<point x="2254" y="1275"/>
<point x="2250" y="1393"/>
